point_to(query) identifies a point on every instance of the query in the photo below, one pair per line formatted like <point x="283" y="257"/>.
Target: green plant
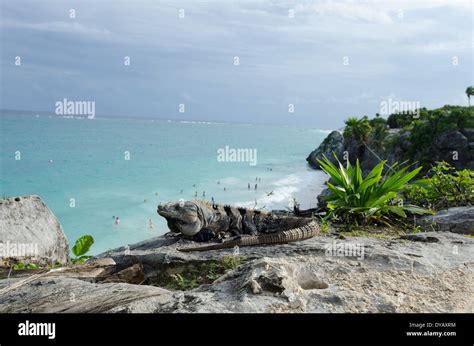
<point x="197" y="274"/>
<point x="357" y="128"/>
<point x="416" y="229"/>
<point x="433" y="124"/>
<point x="378" y="136"/>
<point x="362" y="200"/>
<point x="324" y="225"/>
<point x="184" y="283"/>
<point x="81" y="247"/>
<point x="23" y="266"/>
<point x="231" y="262"/>
<point x="445" y="187"/>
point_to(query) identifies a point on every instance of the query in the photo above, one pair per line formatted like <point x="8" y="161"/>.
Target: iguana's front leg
<point x="205" y="235"/>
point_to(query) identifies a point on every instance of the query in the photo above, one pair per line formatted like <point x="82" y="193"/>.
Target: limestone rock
<point x="333" y="143"/>
<point x="29" y="229"/>
<point x="307" y="276"/>
<point x="457" y="220"/>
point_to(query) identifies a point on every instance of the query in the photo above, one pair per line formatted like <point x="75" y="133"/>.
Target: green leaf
<point x="417" y="210"/>
<point x="82" y="245"/>
<point x="397" y="210"/>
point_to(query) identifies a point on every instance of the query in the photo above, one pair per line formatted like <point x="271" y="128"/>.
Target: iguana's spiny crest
<point x="194" y="218"/>
<point x="190" y="217"/>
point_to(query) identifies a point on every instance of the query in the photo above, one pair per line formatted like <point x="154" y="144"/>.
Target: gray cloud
<point x="398" y="48"/>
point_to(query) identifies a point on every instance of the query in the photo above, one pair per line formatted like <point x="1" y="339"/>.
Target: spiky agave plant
<point x="355" y="198"/>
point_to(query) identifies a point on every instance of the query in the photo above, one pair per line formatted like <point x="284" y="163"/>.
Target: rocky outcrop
<point x="455" y="144"/>
<point x="457" y="220"/>
<point x="322" y="274"/>
<point x="30" y="231"/>
<point x="332" y="144"/>
<point x="455" y="147"/>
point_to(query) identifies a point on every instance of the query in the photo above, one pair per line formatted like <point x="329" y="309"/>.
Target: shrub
<point x="399" y="120"/>
<point x="444" y="188"/>
<point x="362" y="200"/>
<point x="378" y="135"/>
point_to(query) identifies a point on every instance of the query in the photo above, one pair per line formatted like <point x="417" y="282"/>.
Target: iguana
<point x="203" y="221"/>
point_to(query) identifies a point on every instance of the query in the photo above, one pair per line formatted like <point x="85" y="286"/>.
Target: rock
<point x="333" y="143"/>
<point x="452" y="140"/>
<point x="69" y="295"/>
<point x="30" y="231"/>
<point x="469" y="133"/>
<point x="132" y="275"/>
<point x="419" y="237"/>
<point x="453" y="146"/>
<point x="322" y="203"/>
<point x="92" y="270"/>
<point x="454" y="143"/>
<point x="457" y="220"/>
<point x="388" y="276"/>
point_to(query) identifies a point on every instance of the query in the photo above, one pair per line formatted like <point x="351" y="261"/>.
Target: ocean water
<point x="80" y="169"/>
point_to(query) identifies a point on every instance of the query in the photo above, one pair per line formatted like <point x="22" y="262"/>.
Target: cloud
<point x="57" y="27"/>
<point x="348" y="11"/>
<point x="393" y="46"/>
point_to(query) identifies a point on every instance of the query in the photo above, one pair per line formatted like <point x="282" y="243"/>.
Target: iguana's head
<point x="183" y="217"/>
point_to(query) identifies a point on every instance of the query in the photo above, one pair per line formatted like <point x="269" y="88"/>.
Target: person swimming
<point x="117" y="220"/>
<point x="248" y="186"/>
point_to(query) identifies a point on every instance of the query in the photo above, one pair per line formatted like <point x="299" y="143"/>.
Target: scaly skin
<point x="202" y="221"/>
<point x="192" y="217"/>
<point x="299" y="233"/>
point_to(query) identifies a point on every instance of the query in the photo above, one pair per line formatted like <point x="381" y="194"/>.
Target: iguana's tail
<point x="307" y="231"/>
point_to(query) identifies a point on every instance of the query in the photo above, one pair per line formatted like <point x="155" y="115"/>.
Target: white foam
<point x="304" y="186"/>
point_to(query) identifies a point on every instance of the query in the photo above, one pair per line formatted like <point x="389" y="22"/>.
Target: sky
<point x="310" y="63"/>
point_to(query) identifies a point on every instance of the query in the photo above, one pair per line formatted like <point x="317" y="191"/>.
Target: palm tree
<point x="469" y="93"/>
<point x="357" y="128"/>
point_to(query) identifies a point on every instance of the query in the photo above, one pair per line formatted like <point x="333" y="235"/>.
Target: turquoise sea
<point x="80" y="169"/>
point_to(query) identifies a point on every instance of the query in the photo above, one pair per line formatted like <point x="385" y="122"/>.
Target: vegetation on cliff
<point x="423" y="137"/>
<point x="374" y="189"/>
<point x="443" y="187"/>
